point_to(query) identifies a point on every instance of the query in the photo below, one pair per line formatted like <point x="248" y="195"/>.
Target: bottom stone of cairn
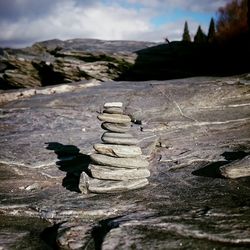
<point x="113" y="173"/>
<point x="106" y="186"/>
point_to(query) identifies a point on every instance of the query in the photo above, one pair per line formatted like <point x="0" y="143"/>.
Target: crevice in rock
<point x="47" y="74"/>
<point x="213" y="169"/>
<point x="101" y="230"/>
<point x="49" y="234"/>
<point x="233" y="156"/>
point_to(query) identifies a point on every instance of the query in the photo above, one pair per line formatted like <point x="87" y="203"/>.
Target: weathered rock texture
<point x="55" y="62"/>
<point x="190" y="128"/>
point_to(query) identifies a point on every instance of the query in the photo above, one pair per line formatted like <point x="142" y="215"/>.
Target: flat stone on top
<point x="113" y="173"/>
<point x="119" y="138"/>
<point x="136" y="162"/>
<point x="106" y="186"/>
<point x="116" y="127"/>
<point x="118" y="150"/>
<point x="114" y="118"/>
<point x="113" y="104"/>
<point x="113" y="111"/>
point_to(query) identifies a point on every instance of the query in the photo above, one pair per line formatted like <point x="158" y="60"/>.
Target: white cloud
<point x="70" y="21"/>
<point x="115" y="20"/>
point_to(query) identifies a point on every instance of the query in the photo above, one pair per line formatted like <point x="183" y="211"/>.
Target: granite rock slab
<point x="185" y="206"/>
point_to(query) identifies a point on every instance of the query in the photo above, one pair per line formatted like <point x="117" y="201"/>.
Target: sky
<point x="24" y="22"/>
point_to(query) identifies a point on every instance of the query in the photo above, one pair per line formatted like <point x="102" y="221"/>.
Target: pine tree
<point x="211" y="31"/>
<point x="200" y="36"/>
<point x="186" y="36"/>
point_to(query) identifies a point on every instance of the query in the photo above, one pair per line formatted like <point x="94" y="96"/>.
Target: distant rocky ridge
<point x="55" y="62"/>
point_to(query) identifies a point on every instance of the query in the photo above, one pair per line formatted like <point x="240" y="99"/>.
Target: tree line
<point x="233" y="21"/>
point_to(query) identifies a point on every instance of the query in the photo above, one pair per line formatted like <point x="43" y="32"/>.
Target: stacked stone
<point x="118" y="164"/>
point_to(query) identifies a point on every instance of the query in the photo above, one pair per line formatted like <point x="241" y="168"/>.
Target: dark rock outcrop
<point x="188" y="129"/>
<point x="55" y="62"/>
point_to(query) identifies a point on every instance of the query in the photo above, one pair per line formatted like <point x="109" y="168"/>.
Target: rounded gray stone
<point x="106" y="186"/>
<point x="113" y="173"/>
<point x="116" y="127"/>
<point x="113" y="110"/>
<point x="118" y="150"/>
<point x="114" y="118"/>
<point x="136" y="162"/>
<point x="119" y="138"/>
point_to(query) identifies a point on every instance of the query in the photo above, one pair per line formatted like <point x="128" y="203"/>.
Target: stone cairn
<point x="118" y="164"/>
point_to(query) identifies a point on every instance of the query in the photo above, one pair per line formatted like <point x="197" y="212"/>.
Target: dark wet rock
<point x="191" y="128"/>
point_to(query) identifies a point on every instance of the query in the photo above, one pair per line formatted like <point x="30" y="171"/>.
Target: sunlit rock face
<point x="55" y="62"/>
<point x="189" y="131"/>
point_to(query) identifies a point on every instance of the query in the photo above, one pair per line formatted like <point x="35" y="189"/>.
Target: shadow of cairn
<point x="72" y="162"/>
